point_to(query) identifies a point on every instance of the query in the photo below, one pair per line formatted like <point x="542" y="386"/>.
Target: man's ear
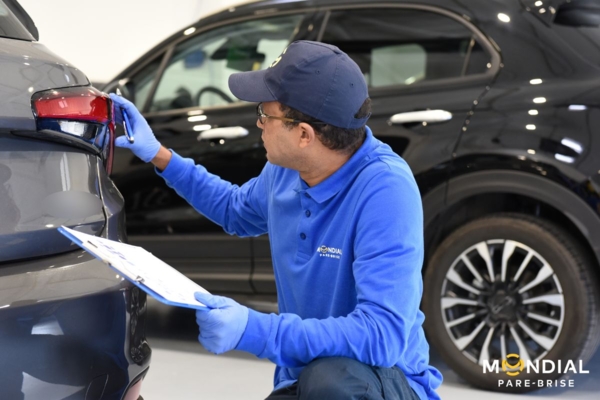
<point x="308" y="135"/>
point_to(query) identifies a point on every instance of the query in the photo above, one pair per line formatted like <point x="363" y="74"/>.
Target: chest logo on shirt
<point x="331" y="252"/>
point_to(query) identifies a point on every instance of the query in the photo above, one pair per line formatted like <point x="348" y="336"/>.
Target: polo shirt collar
<point x="340" y="178"/>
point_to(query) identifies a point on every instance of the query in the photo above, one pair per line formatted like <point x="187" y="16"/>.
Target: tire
<point x="570" y="326"/>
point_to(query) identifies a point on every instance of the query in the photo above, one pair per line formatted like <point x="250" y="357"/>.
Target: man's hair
<point x="344" y="140"/>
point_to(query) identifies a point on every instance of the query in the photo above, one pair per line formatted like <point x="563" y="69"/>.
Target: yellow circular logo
<point x="512" y="369"/>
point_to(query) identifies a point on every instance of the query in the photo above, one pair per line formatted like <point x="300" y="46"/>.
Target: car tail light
<point x="133" y="392"/>
<point x="80" y="116"/>
<point x="134" y="389"/>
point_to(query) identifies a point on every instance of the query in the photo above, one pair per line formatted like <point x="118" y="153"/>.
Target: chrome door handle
<point x="230" y="132"/>
<point x="429" y="116"/>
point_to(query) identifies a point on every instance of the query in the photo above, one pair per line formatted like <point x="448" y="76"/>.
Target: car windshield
<point x="10" y="26"/>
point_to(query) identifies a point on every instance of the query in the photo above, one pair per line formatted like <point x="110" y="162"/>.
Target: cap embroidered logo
<point x="274" y="63"/>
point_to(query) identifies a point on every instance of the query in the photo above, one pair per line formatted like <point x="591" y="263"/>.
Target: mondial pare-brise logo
<point x="330" y="252"/>
<point x="513" y="365"/>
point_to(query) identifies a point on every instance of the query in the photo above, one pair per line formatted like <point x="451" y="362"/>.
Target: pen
<point x="127" y="126"/>
<point x="126" y="123"/>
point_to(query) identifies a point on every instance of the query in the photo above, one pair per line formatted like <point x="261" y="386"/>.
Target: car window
<point x="405" y="47"/>
<point x="199" y="70"/>
<point x="10" y="26"/>
<point x="142" y="82"/>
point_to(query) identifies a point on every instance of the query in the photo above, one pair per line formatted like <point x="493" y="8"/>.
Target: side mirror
<point x="244" y="59"/>
<point x="578" y="13"/>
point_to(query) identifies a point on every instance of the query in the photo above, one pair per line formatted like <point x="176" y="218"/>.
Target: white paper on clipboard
<point x="140" y="267"/>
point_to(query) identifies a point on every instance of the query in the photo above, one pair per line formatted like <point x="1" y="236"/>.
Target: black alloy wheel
<point x="510" y="284"/>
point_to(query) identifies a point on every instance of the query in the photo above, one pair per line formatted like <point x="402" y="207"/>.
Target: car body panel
<point x="30" y="65"/>
<point x="63" y="323"/>
<point x="539" y="118"/>
<point x="45" y="185"/>
<point x="70" y="327"/>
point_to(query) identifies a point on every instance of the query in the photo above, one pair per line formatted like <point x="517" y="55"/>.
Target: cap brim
<point x="250" y="86"/>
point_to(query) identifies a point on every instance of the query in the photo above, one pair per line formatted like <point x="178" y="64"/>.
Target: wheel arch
<point x="474" y="195"/>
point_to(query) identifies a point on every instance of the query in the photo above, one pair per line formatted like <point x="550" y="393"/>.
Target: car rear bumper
<point x="69" y="325"/>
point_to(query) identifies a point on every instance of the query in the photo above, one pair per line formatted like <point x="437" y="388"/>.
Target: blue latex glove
<point x="145" y="145"/>
<point x="222" y="325"/>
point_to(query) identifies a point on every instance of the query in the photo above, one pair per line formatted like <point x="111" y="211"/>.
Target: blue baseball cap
<point x="314" y="78"/>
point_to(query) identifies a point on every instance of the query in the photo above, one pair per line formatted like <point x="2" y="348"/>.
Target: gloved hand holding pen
<point x="145" y="145"/>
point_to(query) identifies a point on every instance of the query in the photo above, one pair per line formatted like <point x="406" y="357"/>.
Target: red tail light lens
<point x="77" y="104"/>
<point x="133" y="393"/>
<point x="79" y="116"/>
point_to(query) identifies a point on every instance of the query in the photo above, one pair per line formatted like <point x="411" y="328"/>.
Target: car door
<point x="425" y="68"/>
<point x="191" y="111"/>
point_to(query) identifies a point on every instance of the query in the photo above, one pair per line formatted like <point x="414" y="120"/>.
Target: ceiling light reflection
<point x="536" y="81"/>
<point x="577" y="107"/>
<point x="539" y="100"/>
<point x="197" y="118"/>
<point x="503" y="17"/>
<point x="533" y="112"/>
<point x="567" y="159"/>
<point x="530" y="127"/>
<point x="199" y="128"/>
<point x="572" y="144"/>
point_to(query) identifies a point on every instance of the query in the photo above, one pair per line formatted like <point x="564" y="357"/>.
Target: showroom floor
<point x="182" y="369"/>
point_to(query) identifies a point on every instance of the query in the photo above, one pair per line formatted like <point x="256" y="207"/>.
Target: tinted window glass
<point x="404" y="47"/>
<point x="10" y="26"/>
<point x="199" y="70"/>
<point x="142" y="82"/>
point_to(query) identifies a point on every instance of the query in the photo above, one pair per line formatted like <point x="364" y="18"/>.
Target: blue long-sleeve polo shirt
<point x="347" y="256"/>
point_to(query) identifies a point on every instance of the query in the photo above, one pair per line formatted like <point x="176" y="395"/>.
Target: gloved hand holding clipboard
<point x="141" y="268"/>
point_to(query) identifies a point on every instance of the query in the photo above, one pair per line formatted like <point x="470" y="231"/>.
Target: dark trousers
<point x="340" y="378"/>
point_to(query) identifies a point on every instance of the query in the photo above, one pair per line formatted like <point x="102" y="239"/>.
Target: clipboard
<point x="141" y="268"/>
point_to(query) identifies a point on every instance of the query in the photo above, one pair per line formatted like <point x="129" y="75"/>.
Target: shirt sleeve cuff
<point x="258" y="330"/>
<point x="175" y="168"/>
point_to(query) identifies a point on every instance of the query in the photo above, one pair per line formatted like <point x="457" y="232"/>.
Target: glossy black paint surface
<point x="492" y="129"/>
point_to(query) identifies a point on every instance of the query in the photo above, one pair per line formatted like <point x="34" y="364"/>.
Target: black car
<point x="69" y="327"/>
<point x="494" y="104"/>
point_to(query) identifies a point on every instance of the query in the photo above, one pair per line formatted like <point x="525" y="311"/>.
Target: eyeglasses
<point x="262" y="117"/>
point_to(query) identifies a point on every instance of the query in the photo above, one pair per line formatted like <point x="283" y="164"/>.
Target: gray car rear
<point x="69" y="326"/>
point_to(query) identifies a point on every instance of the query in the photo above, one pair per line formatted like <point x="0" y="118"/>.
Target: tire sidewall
<point x="534" y="235"/>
